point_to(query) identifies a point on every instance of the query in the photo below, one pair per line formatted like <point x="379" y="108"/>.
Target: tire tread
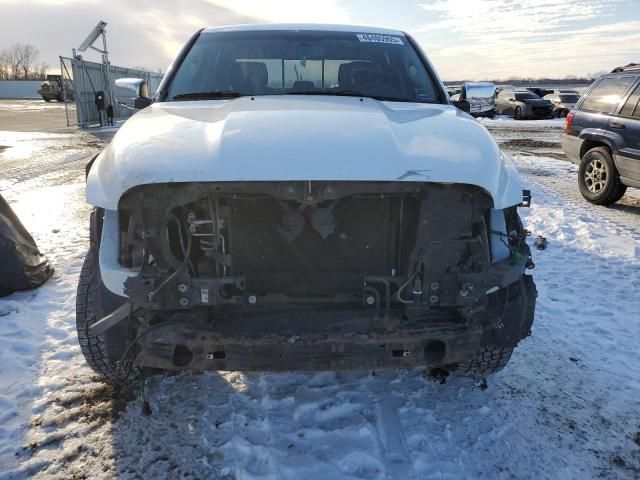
<point x="491" y="360"/>
<point x="88" y="311"/>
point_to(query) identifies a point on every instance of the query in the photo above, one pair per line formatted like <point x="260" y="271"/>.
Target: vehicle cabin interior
<point x="304" y="63"/>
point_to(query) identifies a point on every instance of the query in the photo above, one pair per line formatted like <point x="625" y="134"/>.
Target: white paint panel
<point x="308" y="138"/>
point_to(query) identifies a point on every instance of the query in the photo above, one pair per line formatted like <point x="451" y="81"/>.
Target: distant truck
<point x="51" y="89"/>
<point x="481" y="97"/>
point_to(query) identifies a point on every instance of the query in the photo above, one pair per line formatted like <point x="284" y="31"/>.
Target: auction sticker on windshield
<point x="373" y="38"/>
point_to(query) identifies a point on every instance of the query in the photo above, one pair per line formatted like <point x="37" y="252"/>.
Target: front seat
<point x="249" y="78"/>
<point x="303" y="86"/>
<point x="355" y="75"/>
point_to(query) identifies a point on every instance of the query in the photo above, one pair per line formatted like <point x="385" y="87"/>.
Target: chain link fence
<point x="95" y="91"/>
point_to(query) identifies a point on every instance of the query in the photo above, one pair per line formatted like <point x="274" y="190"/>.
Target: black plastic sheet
<point x="22" y="266"/>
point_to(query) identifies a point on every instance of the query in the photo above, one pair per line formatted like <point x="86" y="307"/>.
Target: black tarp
<point x="22" y="266"/>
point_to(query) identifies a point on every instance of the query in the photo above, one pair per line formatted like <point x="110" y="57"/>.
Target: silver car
<point x="563" y="101"/>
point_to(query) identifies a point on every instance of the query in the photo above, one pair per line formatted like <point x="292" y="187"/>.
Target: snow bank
<point x="504" y="120"/>
<point x="565" y="407"/>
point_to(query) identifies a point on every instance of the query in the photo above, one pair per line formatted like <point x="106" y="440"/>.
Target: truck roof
<point x="303" y="26"/>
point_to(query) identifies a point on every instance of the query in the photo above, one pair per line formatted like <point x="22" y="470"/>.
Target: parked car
<point x="539" y="91"/>
<point x="299" y="198"/>
<point x="521" y="104"/>
<point x="481" y="97"/>
<point x="563" y="101"/>
<point x="602" y="135"/>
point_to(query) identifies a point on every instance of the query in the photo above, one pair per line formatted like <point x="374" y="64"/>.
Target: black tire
<point x="517" y="113"/>
<point x="46" y="99"/>
<point x="491" y="360"/>
<point x="94" y="301"/>
<point x="598" y="177"/>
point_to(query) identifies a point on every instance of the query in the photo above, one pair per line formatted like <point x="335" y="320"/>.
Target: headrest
<point x="303" y="86"/>
<point x="354" y="74"/>
<point x="246" y="77"/>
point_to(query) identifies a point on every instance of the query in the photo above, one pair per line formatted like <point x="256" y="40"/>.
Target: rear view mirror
<point x="139" y="86"/>
<point x="463" y="105"/>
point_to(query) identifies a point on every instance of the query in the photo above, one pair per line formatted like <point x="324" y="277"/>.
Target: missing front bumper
<point x="337" y="339"/>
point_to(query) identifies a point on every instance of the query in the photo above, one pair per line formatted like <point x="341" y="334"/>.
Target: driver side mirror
<point x="463" y="105"/>
<point x="139" y="86"/>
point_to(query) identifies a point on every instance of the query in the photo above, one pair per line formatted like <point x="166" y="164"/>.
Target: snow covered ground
<point x="566" y="407"/>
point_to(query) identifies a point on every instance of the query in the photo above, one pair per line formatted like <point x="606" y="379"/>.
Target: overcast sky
<point x="470" y="39"/>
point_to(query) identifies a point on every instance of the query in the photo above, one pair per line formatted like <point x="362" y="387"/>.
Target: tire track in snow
<point x="392" y="438"/>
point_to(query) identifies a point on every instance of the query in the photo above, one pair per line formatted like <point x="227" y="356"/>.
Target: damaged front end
<point x="320" y="275"/>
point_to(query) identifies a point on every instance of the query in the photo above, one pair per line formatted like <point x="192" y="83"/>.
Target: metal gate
<point x="88" y="79"/>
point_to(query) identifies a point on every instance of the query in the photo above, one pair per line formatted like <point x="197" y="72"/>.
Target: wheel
<point x="517" y="113"/>
<point x="491" y="360"/>
<point x="598" y="178"/>
<point x="93" y="302"/>
<point x="46" y="99"/>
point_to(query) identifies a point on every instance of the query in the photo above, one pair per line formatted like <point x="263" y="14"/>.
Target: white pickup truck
<point x="303" y="197"/>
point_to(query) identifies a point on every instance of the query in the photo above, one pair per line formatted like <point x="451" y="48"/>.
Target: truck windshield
<point x="480" y="92"/>
<point x="231" y="64"/>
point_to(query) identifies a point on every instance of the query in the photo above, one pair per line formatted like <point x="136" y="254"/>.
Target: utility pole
<point x="103" y="99"/>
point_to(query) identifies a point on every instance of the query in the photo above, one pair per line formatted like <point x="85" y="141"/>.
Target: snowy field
<point x="566" y="407"/>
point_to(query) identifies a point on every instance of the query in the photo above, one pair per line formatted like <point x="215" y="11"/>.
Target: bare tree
<point x="4" y="65"/>
<point x="29" y="55"/>
<point x="41" y="72"/>
<point x="18" y="62"/>
<point x="15" y="60"/>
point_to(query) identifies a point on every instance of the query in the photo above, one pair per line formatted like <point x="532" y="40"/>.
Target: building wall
<point x="19" y="88"/>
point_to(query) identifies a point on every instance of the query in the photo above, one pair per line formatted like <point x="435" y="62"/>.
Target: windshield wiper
<point x="207" y="95"/>
<point x="350" y="93"/>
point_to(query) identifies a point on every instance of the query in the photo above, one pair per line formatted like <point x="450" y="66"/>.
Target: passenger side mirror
<point x="139" y="86"/>
<point x="463" y="105"/>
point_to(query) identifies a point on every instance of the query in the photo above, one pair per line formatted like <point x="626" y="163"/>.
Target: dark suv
<point x="602" y="135"/>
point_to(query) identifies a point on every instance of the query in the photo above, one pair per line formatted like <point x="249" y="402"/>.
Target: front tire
<point x="93" y="302"/>
<point x="598" y="177"/>
<point x="491" y="360"/>
<point x="517" y="113"/>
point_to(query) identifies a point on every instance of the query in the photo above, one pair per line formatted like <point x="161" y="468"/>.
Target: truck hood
<point x="293" y="138"/>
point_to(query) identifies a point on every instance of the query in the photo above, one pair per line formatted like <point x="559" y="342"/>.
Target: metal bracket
<point x="111" y="320"/>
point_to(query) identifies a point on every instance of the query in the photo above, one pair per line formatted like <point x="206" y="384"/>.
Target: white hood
<point x="274" y="138"/>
